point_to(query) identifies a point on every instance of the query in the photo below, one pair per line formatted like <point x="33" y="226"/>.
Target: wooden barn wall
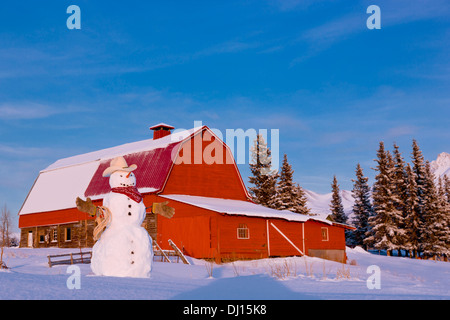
<point x="231" y="247"/>
<point x="190" y="229"/>
<point x="196" y="176"/>
<point x="81" y="235"/>
<point x="279" y="246"/>
<point x="313" y="236"/>
<point x="198" y="232"/>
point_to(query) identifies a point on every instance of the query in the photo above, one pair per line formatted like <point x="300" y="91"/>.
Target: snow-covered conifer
<point x="336" y="207"/>
<point x="434" y="226"/>
<point x="386" y="233"/>
<point x="301" y="205"/>
<point x="412" y="219"/>
<point x="290" y="196"/>
<point x="263" y="178"/>
<point x="362" y="208"/>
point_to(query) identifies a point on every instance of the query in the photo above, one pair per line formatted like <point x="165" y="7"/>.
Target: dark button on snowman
<point x="125" y="247"/>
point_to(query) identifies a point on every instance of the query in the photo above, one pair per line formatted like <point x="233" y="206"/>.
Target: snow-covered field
<point x="29" y="277"/>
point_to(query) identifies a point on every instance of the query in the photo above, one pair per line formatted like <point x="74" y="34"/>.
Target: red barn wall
<point x="194" y="174"/>
<point x="202" y="233"/>
<point x="230" y="247"/>
<point x="190" y="228"/>
<point x="313" y="236"/>
<point x="52" y="218"/>
<point x="279" y="246"/>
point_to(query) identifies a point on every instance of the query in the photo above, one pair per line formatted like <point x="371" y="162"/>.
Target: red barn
<point x="195" y="171"/>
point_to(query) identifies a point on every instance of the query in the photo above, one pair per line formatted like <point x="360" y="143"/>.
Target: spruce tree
<point x="362" y="208"/>
<point x="385" y="223"/>
<point x="444" y="209"/>
<point x="289" y="196"/>
<point x="399" y="192"/>
<point x="434" y="221"/>
<point x="412" y="219"/>
<point x="336" y="207"/>
<point x="263" y="178"/>
<point x="419" y="173"/>
<point x="301" y="205"/>
<point x="446" y="185"/>
<point x="337" y="210"/>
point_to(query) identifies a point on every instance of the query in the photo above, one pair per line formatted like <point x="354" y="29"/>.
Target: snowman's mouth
<point x="127" y="185"/>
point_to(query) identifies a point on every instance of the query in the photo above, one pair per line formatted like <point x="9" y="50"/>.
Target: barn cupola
<point x="161" y="130"/>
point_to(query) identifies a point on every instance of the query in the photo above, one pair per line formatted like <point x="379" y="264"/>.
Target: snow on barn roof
<point x="59" y="184"/>
<point x="238" y="207"/>
<point x="133" y="147"/>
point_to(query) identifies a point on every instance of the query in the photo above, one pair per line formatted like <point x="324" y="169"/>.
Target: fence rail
<point x="69" y="258"/>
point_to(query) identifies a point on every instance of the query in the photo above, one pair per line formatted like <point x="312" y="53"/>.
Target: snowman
<point x="124" y="248"/>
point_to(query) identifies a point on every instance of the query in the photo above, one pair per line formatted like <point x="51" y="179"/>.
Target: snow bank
<point x="283" y="278"/>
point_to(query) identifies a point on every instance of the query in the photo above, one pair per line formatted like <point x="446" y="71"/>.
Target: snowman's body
<point x="124" y="248"/>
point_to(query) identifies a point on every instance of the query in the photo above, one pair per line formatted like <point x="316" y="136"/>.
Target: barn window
<point x="68" y="234"/>
<point x="324" y="234"/>
<point x="243" y="232"/>
<point x="55" y="235"/>
<point x="41" y="237"/>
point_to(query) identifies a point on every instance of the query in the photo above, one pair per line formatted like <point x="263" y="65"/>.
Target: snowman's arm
<point x="163" y="209"/>
<point x="86" y="206"/>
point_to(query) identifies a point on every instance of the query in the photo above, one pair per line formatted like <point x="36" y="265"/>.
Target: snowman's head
<point x="122" y="179"/>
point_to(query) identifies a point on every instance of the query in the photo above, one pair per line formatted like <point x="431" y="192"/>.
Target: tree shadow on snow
<point x="255" y="287"/>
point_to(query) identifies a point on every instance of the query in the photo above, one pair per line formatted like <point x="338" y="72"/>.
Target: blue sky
<point x="311" y="69"/>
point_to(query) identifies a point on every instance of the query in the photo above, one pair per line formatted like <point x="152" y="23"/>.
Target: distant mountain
<point x="441" y="166"/>
<point x="320" y="203"/>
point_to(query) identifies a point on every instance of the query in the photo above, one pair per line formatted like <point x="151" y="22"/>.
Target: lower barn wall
<point x="240" y="237"/>
<point x="191" y="229"/>
<point x="70" y="235"/>
<point x="329" y="254"/>
<point x="205" y="234"/>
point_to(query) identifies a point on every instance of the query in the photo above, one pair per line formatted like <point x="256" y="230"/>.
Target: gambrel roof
<point x="59" y="184"/>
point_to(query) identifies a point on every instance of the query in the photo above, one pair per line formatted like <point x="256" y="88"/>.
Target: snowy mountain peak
<point x="441" y="166"/>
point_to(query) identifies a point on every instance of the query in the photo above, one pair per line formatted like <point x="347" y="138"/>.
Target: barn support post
<point x="303" y="236"/>
<point x="268" y="238"/>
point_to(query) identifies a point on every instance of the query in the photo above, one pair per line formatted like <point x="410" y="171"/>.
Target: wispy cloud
<point x="25" y="110"/>
<point x="321" y="37"/>
<point x="9" y="150"/>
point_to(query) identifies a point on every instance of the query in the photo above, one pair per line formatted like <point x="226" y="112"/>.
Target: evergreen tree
<point x="419" y="173"/>
<point x="362" y="208"/>
<point x="446" y="185"/>
<point x="434" y="221"/>
<point x="387" y="218"/>
<point x="263" y="178"/>
<point x="412" y="220"/>
<point x="400" y="193"/>
<point x="301" y="205"/>
<point x="289" y="196"/>
<point x="336" y="207"/>
<point x="444" y="209"/>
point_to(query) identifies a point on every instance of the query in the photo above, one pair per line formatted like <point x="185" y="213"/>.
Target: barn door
<point x="30" y="239"/>
<point x="284" y="238"/>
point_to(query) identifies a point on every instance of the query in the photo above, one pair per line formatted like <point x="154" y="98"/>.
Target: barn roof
<point x="238" y="207"/>
<point x="59" y="184"/>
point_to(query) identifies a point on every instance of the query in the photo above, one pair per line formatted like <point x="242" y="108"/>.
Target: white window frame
<point x="243" y="229"/>
<point x="54" y="235"/>
<point x="327" y="234"/>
